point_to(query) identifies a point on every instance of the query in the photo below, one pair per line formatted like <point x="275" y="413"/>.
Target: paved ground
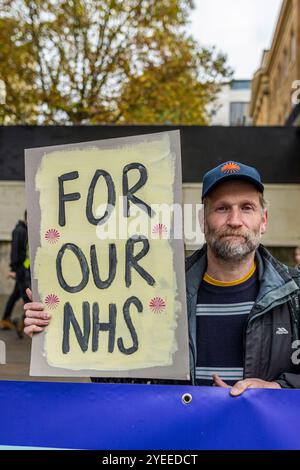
<point x="18" y="356"/>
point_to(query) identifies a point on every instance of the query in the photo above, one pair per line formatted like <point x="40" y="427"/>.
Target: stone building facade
<point x="276" y="85"/>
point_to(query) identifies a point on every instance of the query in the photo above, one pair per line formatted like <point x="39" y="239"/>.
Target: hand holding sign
<point x="36" y="318"/>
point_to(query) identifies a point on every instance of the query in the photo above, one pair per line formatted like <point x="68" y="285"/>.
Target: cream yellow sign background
<point x="153" y="342"/>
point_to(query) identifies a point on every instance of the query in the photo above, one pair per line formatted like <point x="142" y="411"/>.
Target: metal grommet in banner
<point x="186" y="398"/>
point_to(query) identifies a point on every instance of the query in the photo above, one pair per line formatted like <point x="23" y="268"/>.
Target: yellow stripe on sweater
<point x="215" y="282"/>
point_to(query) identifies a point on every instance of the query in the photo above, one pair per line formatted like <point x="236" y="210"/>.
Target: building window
<point x="238" y="113"/>
<point x="240" y="85"/>
<point x="293" y="47"/>
<point x="274" y="87"/>
<point x="279" y="77"/>
<point x="285" y="62"/>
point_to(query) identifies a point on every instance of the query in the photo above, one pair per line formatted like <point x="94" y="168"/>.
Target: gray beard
<point x="227" y="251"/>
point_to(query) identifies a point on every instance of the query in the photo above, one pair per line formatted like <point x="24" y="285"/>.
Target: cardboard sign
<point x="106" y="266"/>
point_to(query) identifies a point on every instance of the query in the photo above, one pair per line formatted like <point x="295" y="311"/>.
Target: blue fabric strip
<point x="121" y="416"/>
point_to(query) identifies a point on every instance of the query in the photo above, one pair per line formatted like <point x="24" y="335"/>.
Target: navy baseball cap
<point x="230" y="171"/>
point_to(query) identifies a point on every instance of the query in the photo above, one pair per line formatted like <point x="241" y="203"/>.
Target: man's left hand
<point x="242" y="385"/>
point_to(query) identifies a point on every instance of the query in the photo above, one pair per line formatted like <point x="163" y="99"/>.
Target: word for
<point x="128" y="194"/>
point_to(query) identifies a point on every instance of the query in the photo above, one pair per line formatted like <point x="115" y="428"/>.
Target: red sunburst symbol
<point x="230" y="167"/>
<point x="52" y="301"/>
<point x="52" y="235"/>
<point x="157" y="305"/>
<point x="159" y="229"/>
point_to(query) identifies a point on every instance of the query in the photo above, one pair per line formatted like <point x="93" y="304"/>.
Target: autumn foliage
<point x="104" y="61"/>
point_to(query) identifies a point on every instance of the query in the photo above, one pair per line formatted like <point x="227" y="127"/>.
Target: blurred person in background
<point x="19" y="265"/>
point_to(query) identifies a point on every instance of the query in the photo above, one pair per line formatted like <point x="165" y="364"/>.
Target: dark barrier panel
<point x="274" y="150"/>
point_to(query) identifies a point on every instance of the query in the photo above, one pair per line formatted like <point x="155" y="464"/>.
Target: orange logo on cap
<point x="230" y="167"/>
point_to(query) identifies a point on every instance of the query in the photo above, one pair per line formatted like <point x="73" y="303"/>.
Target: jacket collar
<point x="275" y="280"/>
<point x="274" y="277"/>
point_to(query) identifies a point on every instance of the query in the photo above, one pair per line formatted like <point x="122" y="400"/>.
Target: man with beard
<point x="243" y="304"/>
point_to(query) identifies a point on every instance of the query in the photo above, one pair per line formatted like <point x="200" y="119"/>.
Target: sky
<point x="240" y="28"/>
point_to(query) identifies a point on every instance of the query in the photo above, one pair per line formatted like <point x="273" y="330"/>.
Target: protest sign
<point x="107" y="267"/>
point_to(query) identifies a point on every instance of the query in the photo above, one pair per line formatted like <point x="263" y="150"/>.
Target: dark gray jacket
<point x="273" y="323"/>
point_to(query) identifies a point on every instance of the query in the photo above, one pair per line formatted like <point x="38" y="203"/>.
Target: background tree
<point x="177" y="91"/>
<point x="17" y="72"/>
<point x="112" y="61"/>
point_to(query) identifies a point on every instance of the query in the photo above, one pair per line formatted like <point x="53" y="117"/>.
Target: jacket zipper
<point x="282" y="301"/>
<point x="194" y="362"/>
<point x="295" y="319"/>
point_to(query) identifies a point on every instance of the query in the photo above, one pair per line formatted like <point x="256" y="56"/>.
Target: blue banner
<point x="121" y="416"/>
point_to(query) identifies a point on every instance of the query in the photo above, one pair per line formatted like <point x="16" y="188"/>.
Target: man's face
<point x="234" y="220"/>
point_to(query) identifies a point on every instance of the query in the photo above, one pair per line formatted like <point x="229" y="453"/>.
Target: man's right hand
<point x="36" y="318"/>
<point x="12" y="275"/>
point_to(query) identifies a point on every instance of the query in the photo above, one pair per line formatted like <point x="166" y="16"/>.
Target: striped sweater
<point x="222" y="312"/>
